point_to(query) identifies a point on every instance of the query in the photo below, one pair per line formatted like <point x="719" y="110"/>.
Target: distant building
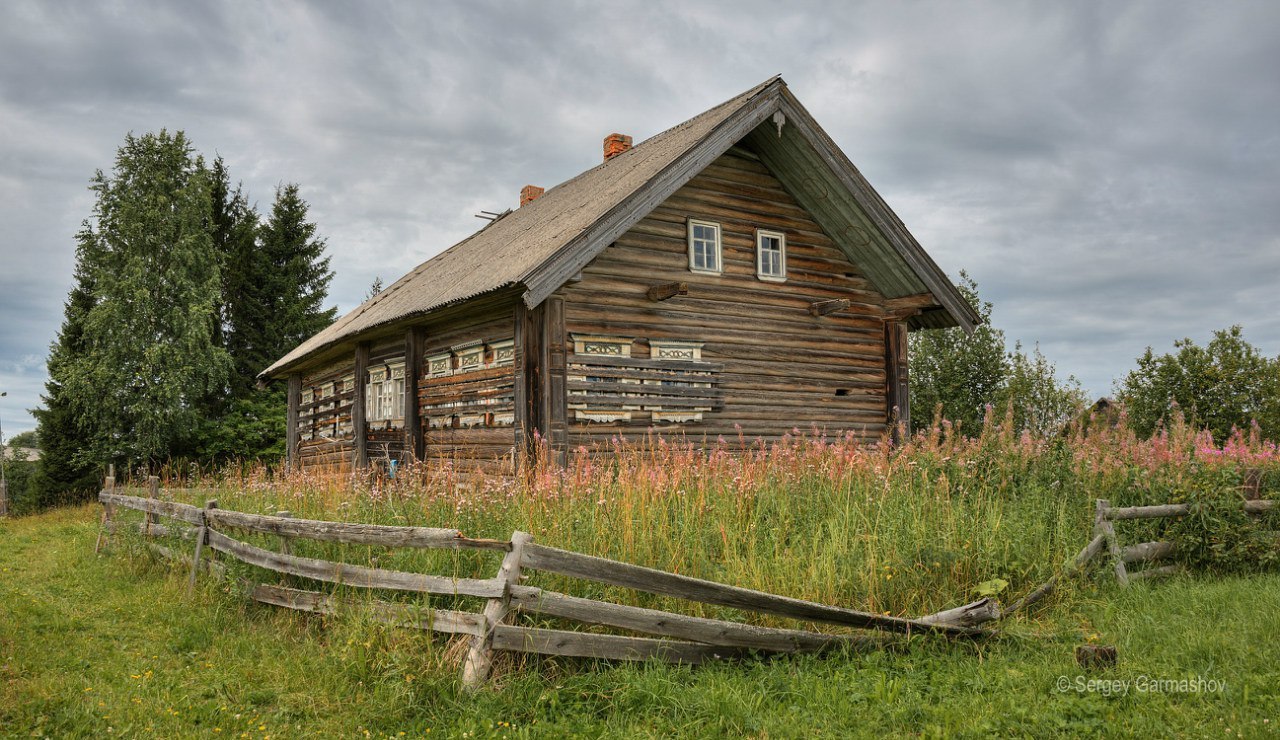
<point x="29" y="454"/>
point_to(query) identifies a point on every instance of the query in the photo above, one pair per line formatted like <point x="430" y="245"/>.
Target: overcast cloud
<point x="1109" y="172"/>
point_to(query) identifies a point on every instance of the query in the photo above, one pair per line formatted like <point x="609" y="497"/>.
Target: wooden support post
<point x="529" y="371"/>
<point x="359" y="426"/>
<point x="4" y="497"/>
<point x="663" y="291"/>
<point x="480" y="657"/>
<point x="824" y="308"/>
<point x="202" y="536"/>
<point x="898" y="391"/>
<point x="414" y="339"/>
<point x="1104" y="527"/>
<point x="286" y="543"/>
<point x="151" y="519"/>
<point x="294" y="396"/>
<point x="554" y="394"/>
<point x="109" y="485"/>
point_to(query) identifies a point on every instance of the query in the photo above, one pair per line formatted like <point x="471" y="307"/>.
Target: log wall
<point x="767" y="364"/>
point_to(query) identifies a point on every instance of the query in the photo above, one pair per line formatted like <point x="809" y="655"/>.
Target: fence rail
<point x="668" y="636"/>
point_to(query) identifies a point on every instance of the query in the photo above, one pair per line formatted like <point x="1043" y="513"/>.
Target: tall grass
<point x="905" y="529"/>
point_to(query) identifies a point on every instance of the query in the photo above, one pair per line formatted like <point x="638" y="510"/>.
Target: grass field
<point x="113" y="645"/>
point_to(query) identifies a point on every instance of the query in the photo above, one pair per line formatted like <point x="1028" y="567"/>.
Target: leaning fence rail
<point x="667" y="636"/>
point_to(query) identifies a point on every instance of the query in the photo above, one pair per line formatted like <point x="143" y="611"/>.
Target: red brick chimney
<point x="530" y="193"/>
<point x="615" y="144"/>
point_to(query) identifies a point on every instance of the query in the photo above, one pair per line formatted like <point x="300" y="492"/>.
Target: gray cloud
<point x="1107" y="171"/>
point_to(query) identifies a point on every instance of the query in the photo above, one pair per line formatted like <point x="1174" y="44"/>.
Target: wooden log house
<point x="734" y="276"/>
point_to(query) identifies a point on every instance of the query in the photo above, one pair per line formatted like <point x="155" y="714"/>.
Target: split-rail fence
<point x="669" y="636"/>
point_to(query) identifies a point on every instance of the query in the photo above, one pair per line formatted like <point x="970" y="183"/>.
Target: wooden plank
<point x="666" y="624"/>
<point x="352" y="532"/>
<point x="643" y="364"/>
<point x="171" y="509"/>
<point x="202" y="539"/>
<point x="293" y="396"/>
<point x="607" y="647"/>
<point x="352" y="575"/>
<point x="555" y="351"/>
<point x="386" y="612"/>
<point x="359" y="424"/>
<point x="1164" y="570"/>
<point x="649" y="389"/>
<point x="479" y="660"/>
<point x="601" y="570"/>
<point x="1171" y="510"/>
<point x="1104" y="527"/>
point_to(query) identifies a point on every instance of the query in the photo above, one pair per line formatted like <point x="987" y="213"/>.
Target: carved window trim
<point x="706" y="250"/>
<point x="771" y="256"/>
<point x="601" y="345"/>
<point x="672" y="349"/>
<point x="504" y="353"/>
<point x="384" y="396"/>
<point x="470" y="356"/>
<point x="440" y="365"/>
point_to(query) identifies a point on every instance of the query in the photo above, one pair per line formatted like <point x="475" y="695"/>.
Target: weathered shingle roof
<point x="540" y="244"/>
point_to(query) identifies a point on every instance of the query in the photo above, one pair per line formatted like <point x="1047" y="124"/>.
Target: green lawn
<point x="114" y="646"/>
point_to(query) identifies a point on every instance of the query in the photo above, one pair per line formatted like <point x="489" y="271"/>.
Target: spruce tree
<point x="61" y="476"/>
<point x="234" y="229"/>
<point x="152" y="356"/>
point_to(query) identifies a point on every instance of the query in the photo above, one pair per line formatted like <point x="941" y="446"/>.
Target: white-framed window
<point x="384" y="398"/>
<point x="704" y="247"/>
<point x="771" y="255"/>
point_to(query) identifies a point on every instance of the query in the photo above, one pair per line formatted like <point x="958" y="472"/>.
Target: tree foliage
<point x="1224" y="385"/>
<point x="961" y="375"/>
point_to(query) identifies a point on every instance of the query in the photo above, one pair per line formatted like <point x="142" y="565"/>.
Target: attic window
<point x="704" y="247"/>
<point x="771" y="255"/>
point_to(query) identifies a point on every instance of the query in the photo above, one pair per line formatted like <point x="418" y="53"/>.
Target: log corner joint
<point x="825" y="308"/>
<point x="663" y="291"/>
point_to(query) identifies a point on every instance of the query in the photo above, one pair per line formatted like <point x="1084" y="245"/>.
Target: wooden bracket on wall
<point x="909" y="305"/>
<point x="663" y="291"/>
<point x="823" y="308"/>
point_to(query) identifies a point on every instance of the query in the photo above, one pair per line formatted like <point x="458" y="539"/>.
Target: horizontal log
<point x="643" y="364"/>
<point x="596" y="400"/>
<point x="648" y="389"/>
<point x="171" y="509"/>
<point x="969" y="615"/>
<point x="1170" y="510"/>
<point x="206" y="564"/>
<point x="352" y="533"/>
<point x="353" y="575"/>
<point x="386" y="612"/>
<point x="607" y="647"/>
<point x="649" y="580"/>
<point x="666" y="624"/>
<point x="1146" y="551"/>
<point x="1164" y="570"/>
<point x="153" y="530"/>
<point x="1089" y="552"/>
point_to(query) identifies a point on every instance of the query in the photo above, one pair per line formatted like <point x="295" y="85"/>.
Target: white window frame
<point x="719" y="244"/>
<point x="761" y="235"/>
<point x="384" y="396"/>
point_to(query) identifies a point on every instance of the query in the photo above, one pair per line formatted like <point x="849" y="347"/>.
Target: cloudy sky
<point x="1109" y="172"/>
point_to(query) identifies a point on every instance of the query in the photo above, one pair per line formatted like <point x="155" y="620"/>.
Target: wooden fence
<point x="669" y="636"/>
<point x="1122" y="557"/>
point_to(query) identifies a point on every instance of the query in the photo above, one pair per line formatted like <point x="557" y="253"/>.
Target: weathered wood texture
<point x="479" y="660"/>
<point x="398" y="614"/>
<point x="1089" y="552"/>
<point x="360" y="453"/>
<point x="293" y="398"/>
<point x="601" y="570"/>
<point x="783" y="367"/>
<point x="607" y="647"/>
<point x="898" y="401"/>
<point x="352" y="532"/>
<point x="352" y="575"/>
<point x="1168" y="510"/>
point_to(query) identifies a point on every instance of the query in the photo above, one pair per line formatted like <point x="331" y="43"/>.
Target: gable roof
<point x="539" y="246"/>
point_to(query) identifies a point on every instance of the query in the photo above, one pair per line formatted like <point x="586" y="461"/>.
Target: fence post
<point x="109" y="485"/>
<point x="4" y="497"/>
<point x="153" y="494"/>
<point x="480" y="657"/>
<point x="1104" y="527"/>
<point x="202" y="534"/>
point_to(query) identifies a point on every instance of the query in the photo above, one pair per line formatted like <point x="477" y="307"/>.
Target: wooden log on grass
<point x="653" y="581"/>
<point x="171" y="509"/>
<point x="1158" y="572"/>
<point x="1104" y="527"/>
<point x="352" y="575"/>
<point x="666" y="624"/>
<point x="608" y="647"/>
